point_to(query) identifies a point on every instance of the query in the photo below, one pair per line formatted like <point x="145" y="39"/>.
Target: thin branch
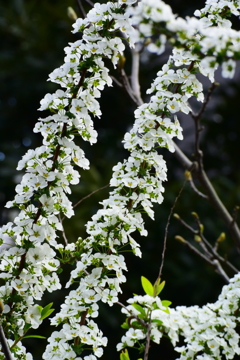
<point x="205" y="102"/>
<point x="219" y="257"/>
<point x="86" y="197"/>
<point x="89" y="195"/>
<point x="147" y="347"/>
<point x="132" y="315"/>
<point x="81" y="8"/>
<point x="89" y="2"/>
<point x="199" y="193"/>
<point x="166" y="229"/>
<point x="63" y="231"/>
<point x="135" y="76"/>
<point x="220" y="270"/>
<point x="214" y="263"/>
<point x="117" y="82"/>
<point x="183" y="159"/>
<point x="195" y="232"/>
<point x="209" y="250"/>
<point x="220" y="208"/>
<point x="127" y="87"/>
<point x="5" y="348"/>
<point x="211" y="193"/>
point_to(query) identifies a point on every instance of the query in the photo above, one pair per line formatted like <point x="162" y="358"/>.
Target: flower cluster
<point x="208" y="41"/>
<point x="28" y="261"/>
<point x="209" y="332"/>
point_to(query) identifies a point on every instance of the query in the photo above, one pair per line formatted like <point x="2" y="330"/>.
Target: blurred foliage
<point x="33" y="35"/>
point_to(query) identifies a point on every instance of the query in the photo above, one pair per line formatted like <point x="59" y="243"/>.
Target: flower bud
<point x="71" y="13"/>
<point x="197" y="238"/>
<point x="221" y="237"/>
<point x="180" y="238"/>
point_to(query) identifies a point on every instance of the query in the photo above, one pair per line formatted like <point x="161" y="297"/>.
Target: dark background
<point x="33" y="35"/>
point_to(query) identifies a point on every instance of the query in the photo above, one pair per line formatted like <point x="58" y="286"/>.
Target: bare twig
<point x="211" y="193"/>
<point x="214" y="263"/>
<point x="5" y="348"/>
<point x="117" y="82"/>
<point x="210" y="251"/>
<point x="86" y="197"/>
<point x="220" y="270"/>
<point x="195" y="232"/>
<point x="89" y="2"/>
<point x="205" y="102"/>
<point x="127" y="87"/>
<point x="166" y="229"/>
<point x="220" y="208"/>
<point x="199" y="193"/>
<point x="147" y="347"/>
<point x="219" y="257"/>
<point x="63" y="231"/>
<point x="135" y="76"/>
<point x="81" y="8"/>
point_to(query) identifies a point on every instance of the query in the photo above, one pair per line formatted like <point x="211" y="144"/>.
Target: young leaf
<point x="139" y="308"/>
<point x="34" y="336"/>
<point x="46" y="314"/>
<point x="46" y="311"/>
<point x="124" y="355"/>
<point x="160" y="287"/>
<point x="125" y="325"/>
<point x="147" y="286"/>
<point x="166" y="303"/>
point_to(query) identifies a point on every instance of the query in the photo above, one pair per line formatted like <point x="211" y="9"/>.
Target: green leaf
<point x="46" y="311"/>
<point x="147" y="286"/>
<point x="166" y="303"/>
<point x="34" y="336"/>
<point x="159" y="322"/>
<point x="159" y="288"/>
<point x="46" y="314"/>
<point x="39" y="308"/>
<point x="124" y="355"/>
<point x="125" y="325"/>
<point x="167" y="311"/>
<point x="139" y="308"/>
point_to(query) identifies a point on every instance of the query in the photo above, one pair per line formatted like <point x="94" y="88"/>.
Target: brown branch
<point x="127" y="87"/>
<point x="199" y="193"/>
<point x="209" y="250"/>
<point x="147" y="347"/>
<point x="89" y="2"/>
<point x="217" y="256"/>
<point x="5" y="347"/>
<point x="135" y="85"/>
<point x="81" y="8"/>
<point x="132" y="315"/>
<point x="205" y="102"/>
<point x="166" y="229"/>
<point x="86" y="197"/>
<point x="214" y="263"/>
<point x="213" y="198"/>
<point x="63" y="231"/>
